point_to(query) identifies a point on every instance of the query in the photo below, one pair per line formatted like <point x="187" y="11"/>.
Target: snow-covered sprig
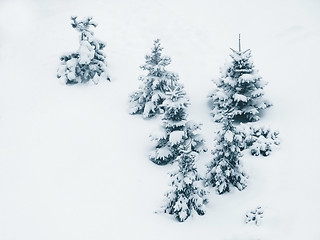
<point x="254" y="216"/>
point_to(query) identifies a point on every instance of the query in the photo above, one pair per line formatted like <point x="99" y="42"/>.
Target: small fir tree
<point x="151" y="94"/>
<point x="88" y="63"/>
<point x="239" y="89"/>
<point x="176" y="129"/>
<point x="187" y="193"/>
<point x="225" y="169"/>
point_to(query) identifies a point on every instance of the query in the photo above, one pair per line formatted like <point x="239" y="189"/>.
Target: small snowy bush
<point x="88" y="63"/>
<point x="239" y="89"/>
<point x="177" y="130"/>
<point x="225" y="169"/>
<point x="254" y="216"/>
<point x="259" y="139"/>
<point x="187" y="193"/>
<point x="151" y="94"/>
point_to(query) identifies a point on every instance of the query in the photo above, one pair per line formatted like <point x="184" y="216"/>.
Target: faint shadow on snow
<point x="295" y="33"/>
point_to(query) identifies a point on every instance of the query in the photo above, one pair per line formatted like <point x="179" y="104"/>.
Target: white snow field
<point x="74" y="164"/>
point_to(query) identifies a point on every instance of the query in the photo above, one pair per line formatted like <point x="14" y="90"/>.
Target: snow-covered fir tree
<point x="239" y="89"/>
<point x="225" y="169"/>
<point x="151" y="94"/>
<point x="187" y="193"/>
<point x="176" y="129"/>
<point x="88" y="63"/>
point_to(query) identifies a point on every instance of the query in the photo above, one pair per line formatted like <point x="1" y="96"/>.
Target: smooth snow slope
<point x="74" y="164"/>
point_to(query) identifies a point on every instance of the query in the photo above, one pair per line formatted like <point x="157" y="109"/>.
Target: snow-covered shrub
<point x="88" y="63"/>
<point x="239" y="89"/>
<point x="254" y="216"/>
<point x="225" y="168"/>
<point x="187" y="193"/>
<point x="151" y="94"/>
<point x="259" y="139"/>
<point x="177" y="131"/>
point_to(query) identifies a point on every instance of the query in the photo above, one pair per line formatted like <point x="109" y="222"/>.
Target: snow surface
<point x="74" y="164"/>
<point x="228" y="136"/>
<point x="176" y="137"/>
<point x="239" y="97"/>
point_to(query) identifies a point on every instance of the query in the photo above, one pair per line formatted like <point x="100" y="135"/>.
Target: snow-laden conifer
<point x="239" y="89"/>
<point x="177" y="130"/>
<point x="187" y="193"/>
<point x="225" y="170"/>
<point x="151" y="93"/>
<point x="88" y="63"/>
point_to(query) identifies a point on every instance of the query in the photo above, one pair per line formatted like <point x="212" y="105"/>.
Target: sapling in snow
<point x="225" y="170"/>
<point x="258" y="139"/>
<point x="88" y="63"/>
<point x="239" y="89"/>
<point x="151" y="94"/>
<point x="187" y="193"/>
<point x="177" y="130"/>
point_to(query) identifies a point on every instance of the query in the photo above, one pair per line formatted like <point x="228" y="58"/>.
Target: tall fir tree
<point x="187" y="193"/>
<point x="239" y="89"/>
<point x="88" y="63"/>
<point x="177" y="130"/>
<point x="151" y="94"/>
<point x="225" y="169"/>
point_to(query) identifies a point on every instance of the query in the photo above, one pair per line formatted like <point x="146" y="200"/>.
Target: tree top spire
<point x="239" y="52"/>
